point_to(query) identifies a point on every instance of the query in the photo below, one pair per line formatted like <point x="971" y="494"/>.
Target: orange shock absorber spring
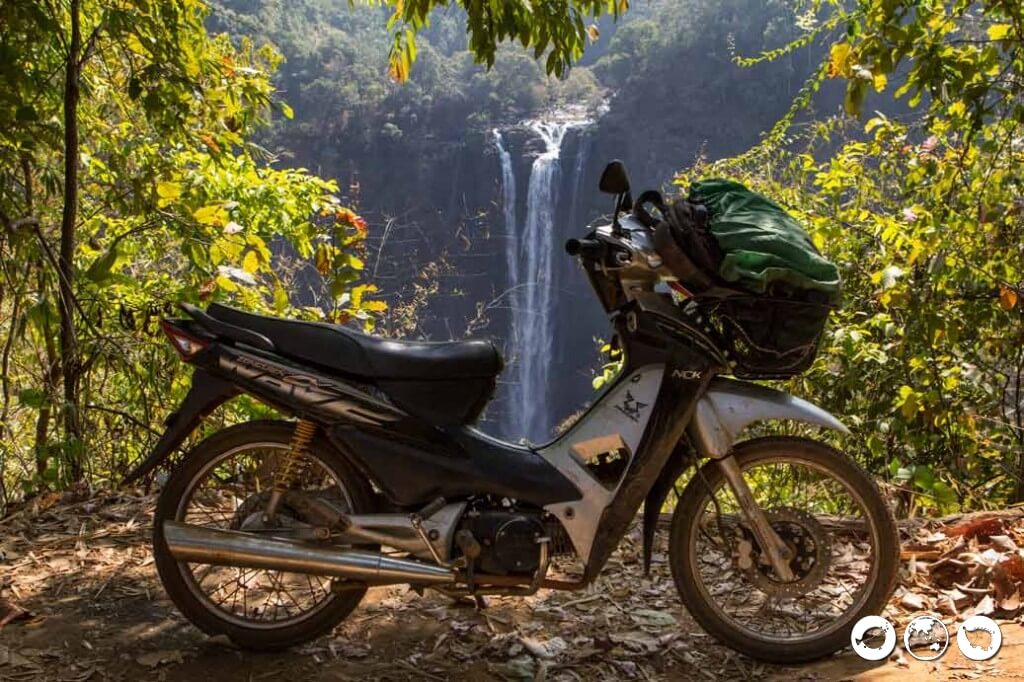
<point x="303" y="434"/>
<point x="301" y="438"/>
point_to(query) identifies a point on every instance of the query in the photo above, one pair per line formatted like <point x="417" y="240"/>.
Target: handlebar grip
<point x="588" y="248"/>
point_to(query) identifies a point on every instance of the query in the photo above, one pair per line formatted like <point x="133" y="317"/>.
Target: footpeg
<point x="428" y="511"/>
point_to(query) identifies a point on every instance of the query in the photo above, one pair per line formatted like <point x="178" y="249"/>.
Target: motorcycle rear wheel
<point x="248" y="625"/>
<point x="710" y="577"/>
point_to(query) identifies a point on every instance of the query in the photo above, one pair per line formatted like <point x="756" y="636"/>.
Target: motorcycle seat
<point x="346" y="351"/>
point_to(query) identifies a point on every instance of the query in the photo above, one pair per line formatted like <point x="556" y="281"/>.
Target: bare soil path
<point x="85" y="573"/>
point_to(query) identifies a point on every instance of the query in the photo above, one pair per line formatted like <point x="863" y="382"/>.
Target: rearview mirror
<point x="614" y="179"/>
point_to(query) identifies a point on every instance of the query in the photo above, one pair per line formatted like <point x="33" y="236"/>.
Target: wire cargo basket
<point x="764" y="337"/>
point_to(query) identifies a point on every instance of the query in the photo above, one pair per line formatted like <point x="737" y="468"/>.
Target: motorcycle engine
<point x="507" y="538"/>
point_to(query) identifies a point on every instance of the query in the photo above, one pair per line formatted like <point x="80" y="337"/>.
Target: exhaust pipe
<point x="244" y="550"/>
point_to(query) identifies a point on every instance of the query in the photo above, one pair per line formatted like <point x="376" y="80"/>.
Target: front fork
<point x="778" y="553"/>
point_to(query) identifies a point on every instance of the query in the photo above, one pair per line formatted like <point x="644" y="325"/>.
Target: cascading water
<point x="508" y="206"/>
<point x="530" y="255"/>
<point x="582" y="152"/>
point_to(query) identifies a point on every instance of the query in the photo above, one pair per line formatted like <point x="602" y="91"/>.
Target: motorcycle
<point x="271" y="532"/>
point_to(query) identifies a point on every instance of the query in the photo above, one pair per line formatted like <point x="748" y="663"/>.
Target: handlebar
<point x="588" y="248"/>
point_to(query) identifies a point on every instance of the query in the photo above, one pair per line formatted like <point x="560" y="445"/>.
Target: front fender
<point x="729" y="406"/>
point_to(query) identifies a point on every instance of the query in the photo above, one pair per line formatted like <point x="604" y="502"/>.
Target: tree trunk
<point x="68" y="347"/>
<point x="17" y="297"/>
<point x="51" y="375"/>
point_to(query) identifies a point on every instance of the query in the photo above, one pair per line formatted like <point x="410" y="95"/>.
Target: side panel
<point x="617" y="421"/>
<point x="223" y="372"/>
<point x="729" y="406"/>
<point x="644" y="415"/>
<point x="303" y="391"/>
<point x="687" y="374"/>
<point x="414" y="470"/>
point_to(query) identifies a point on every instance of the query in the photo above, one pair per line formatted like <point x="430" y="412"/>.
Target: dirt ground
<point x="85" y="573"/>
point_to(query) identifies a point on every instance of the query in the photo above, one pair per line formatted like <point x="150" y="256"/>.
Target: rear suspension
<point x="301" y="438"/>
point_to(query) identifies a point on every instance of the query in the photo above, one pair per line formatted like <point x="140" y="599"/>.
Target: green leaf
<point x="211" y="214"/>
<point x="944" y="494"/>
<point x="998" y="31"/>
<point x="167" y="192"/>
<point x="908" y="402"/>
<point x="32" y="397"/>
<point x="281" y="301"/>
<point x="26" y="114"/>
<point x="99" y="271"/>
<point x="251" y="262"/>
<point x="903" y="474"/>
<point x="924" y="478"/>
<point x="855" y="92"/>
<point x="42" y="317"/>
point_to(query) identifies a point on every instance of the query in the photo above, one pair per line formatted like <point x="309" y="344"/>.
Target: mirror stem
<point x="616" y="227"/>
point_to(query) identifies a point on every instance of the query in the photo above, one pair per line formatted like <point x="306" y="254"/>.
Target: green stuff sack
<point x="764" y="250"/>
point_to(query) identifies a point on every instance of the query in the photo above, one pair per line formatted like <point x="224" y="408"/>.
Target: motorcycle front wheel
<point x="842" y="541"/>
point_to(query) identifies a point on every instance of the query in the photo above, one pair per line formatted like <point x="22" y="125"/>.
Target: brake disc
<point x="808" y="543"/>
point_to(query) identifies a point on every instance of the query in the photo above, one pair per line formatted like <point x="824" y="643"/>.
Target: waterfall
<point x="508" y="206"/>
<point x="530" y="257"/>
<point x="582" y="152"/>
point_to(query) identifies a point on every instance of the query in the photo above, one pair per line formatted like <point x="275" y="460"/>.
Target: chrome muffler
<point x="245" y="550"/>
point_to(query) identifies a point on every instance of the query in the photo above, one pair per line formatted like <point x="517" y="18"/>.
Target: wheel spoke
<point x="231" y="494"/>
<point x="805" y="501"/>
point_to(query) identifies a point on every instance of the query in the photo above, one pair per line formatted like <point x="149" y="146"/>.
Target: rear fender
<point x="729" y="406"/>
<point x="207" y="393"/>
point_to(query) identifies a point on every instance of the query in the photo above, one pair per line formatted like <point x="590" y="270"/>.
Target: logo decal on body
<point x="688" y="374"/>
<point x="631" y="407"/>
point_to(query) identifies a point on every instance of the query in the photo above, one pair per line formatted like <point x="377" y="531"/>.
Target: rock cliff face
<point x="472" y="229"/>
<point x="498" y="211"/>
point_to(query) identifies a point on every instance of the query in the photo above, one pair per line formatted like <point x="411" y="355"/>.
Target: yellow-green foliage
<point x="176" y="204"/>
<point x="925" y="215"/>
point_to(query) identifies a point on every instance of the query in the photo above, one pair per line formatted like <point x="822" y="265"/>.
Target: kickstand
<point x="476" y="601"/>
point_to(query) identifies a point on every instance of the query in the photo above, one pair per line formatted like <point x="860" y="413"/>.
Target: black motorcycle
<point x="270" y="532"/>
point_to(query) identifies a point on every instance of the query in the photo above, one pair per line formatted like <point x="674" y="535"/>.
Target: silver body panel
<point x="620" y="417"/>
<point x="729" y="406"/>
